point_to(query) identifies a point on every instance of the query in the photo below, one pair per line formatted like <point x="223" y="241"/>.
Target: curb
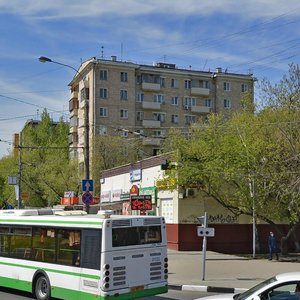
<point x="207" y="289"/>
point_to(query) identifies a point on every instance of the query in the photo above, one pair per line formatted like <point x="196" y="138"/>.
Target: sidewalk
<point x="223" y="272"/>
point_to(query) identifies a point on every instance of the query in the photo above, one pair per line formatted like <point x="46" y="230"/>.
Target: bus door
<point x="90" y="261"/>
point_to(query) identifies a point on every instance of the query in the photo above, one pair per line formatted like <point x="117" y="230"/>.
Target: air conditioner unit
<point x="190" y="192"/>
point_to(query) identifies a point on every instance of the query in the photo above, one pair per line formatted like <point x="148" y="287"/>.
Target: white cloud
<point x="92" y="8"/>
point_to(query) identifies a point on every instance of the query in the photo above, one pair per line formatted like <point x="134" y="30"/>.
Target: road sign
<point x="87" y="198"/>
<point x="201" y="231"/>
<point x="87" y="185"/>
<point x="25" y="196"/>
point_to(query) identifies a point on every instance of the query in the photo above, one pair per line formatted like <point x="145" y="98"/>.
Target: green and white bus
<point x="72" y="255"/>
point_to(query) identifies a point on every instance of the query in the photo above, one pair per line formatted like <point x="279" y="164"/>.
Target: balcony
<point x="151" y="124"/>
<point x="198" y="91"/>
<point x="148" y="86"/>
<point x="151" y="105"/>
<point x="151" y="141"/>
<point x="200" y="109"/>
<point x="73" y="104"/>
<point x="74" y="94"/>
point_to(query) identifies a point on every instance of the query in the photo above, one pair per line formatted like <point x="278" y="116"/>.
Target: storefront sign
<point x="116" y="195"/>
<point x="134" y="190"/>
<point x="141" y="202"/>
<point x="135" y="175"/>
<point x="105" y="196"/>
<point x="149" y="191"/>
<point x="125" y="196"/>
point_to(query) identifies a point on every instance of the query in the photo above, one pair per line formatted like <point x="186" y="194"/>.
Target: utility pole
<point x="83" y="94"/>
<point x="20" y="173"/>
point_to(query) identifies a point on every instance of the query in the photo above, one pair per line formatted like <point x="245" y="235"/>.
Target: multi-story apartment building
<point x="148" y="99"/>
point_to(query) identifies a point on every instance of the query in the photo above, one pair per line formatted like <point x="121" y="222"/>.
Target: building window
<point x="124" y="134"/>
<point x="174" y="100"/>
<point x="103" y="112"/>
<point x="103" y="93"/>
<point x="189" y="102"/>
<point x="200" y="84"/>
<point x="187" y="84"/>
<point x="227" y="86"/>
<point x="174" y="119"/>
<point x="103" y="74"/>
<point x="159" y="98"/>
<point x="158" y="133"/>
<point x="139" y="116"/>
<point x="84" y="94"/>
<point x="124" y="113"/>
<point x="162" y="82"/>
<point x="124" y="76"/>
<point x="174" y="83"/>
<point x="207" y="102"/>
<point x="244" y="87"/>
<point x="159" y="117"/>
<point x="189" y="119"/>
<point x="139" y="97"/>
<point x="227" y="103"/>
<point x="123" y="95"/>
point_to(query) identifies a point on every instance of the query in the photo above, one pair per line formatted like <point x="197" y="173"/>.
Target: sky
<point x="258" y="36"/>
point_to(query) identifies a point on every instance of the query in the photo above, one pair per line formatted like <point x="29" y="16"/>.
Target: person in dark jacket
<point x="6" y="205"/>
<point x="272" y="243"/>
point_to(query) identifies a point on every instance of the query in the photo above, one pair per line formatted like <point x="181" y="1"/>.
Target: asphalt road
<point x="8" y="294"/>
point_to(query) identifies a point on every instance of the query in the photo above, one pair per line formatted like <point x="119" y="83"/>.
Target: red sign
<point x="87" y="198"/>
<point x="134" y="190"/>
<point x="142" y="202"/>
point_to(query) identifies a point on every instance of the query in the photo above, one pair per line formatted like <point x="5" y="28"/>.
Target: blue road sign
<point x="87" y="198"/>
<point x="87" y="185"/>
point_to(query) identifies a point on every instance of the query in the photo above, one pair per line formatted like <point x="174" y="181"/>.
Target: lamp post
<point x="86" y="155"/>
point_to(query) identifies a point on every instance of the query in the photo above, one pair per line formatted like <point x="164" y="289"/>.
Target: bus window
<point x="20" y="241"/>
<point x="69" y="247"/>
<point x="43" y="244"/>
<point x="4" y="241"/>
<point x="132" y="236"/>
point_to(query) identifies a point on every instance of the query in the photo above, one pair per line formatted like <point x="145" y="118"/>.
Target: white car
<point x="284" y="286"/>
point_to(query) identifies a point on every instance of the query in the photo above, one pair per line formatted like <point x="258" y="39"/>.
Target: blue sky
<point x="257" y="36"/>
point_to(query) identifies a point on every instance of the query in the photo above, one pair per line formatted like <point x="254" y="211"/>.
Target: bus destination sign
<point x="141" y="202"/>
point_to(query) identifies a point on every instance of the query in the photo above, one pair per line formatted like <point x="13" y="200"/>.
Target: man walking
<point x="272" y="243"/>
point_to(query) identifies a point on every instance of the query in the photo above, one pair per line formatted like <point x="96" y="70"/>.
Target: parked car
<point x="285" y="286"/>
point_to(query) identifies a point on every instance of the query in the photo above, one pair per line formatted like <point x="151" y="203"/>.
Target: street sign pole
<point x="204" y="243"/>
<point x="203" y="221"/>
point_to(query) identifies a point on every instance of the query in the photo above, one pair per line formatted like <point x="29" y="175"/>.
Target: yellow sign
<point x="24" y="195"/>
<point x="166" y="184"/>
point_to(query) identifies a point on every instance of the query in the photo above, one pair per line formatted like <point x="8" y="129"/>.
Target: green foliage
<point x="8" y="167"/>
<point x="113" y="151"/>
<point x="46" y="169"/>
<point x="248" y="159"/>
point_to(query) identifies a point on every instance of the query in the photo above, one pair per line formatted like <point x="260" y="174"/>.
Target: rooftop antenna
<point x="122" y="51"/>
<point x="102" y="52"/>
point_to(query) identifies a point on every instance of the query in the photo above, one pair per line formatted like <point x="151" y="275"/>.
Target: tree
<point x="46" y="169"/>
<point x="113" y="151"/>
<point x="8" y="167"/>
<point x="248" y="160"/>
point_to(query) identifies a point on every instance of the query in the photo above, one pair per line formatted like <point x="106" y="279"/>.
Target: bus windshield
<point x="139" y="235"/>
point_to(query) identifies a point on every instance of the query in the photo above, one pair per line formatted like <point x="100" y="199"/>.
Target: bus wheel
<point x="42" y="288"/>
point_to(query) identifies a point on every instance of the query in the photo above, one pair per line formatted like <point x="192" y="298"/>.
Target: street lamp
<point x="86" y="155"/>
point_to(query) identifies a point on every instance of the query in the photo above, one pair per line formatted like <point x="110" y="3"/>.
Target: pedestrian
<point x="272" y="243"/>
<point x="6" y="205"/>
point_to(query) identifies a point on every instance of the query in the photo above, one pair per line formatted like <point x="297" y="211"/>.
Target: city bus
<point x="73" y="255"/>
